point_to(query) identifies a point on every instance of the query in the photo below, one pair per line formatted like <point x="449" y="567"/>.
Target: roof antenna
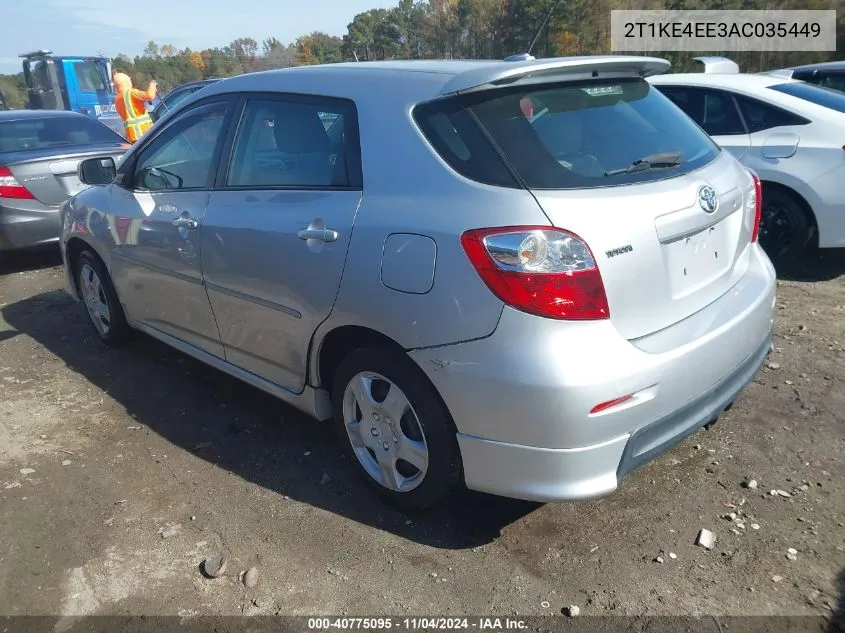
<point x="527" y="56"/>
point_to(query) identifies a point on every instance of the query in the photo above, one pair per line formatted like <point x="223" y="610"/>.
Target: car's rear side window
<point x="825" y="97"/>
<point x="763" y="116"/>
<point x="51" y="132"/>
<point x="456" y="137"/>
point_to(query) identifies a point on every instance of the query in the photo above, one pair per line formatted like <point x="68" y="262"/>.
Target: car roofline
<point x="461" y="76"/>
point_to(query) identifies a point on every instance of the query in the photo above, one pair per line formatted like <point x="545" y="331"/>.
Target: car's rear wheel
<point x="396" y="428"/>
<point x="784" y="227"/>
<point x="100" y="299"/>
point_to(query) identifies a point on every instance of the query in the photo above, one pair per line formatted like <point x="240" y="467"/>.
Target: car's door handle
<point x="324" y="235"/>
<point x="185" y="223"/>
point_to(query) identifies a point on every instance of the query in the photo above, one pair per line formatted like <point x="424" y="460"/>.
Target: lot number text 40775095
<point x="417" y="623"/>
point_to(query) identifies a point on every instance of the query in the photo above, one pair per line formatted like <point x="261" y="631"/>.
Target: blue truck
<point x="80" y="84"/>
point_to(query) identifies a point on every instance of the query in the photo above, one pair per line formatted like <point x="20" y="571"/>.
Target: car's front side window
<point x="292" y="143"/>
<point x="183" y="155"/>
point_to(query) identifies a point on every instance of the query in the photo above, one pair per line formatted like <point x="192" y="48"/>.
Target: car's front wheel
<point x="396" y="428"/>
<point x="100" y="299"/>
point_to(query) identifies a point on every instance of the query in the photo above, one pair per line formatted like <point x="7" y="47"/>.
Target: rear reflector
<point x="11" y="188"/>
<point x="758" y="207"/>
<point x="610" y="403"/>
<point x="540" y="270"/>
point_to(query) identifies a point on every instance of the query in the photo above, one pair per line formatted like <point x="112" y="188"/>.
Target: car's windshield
<point x="825" y="97"/>
<point x="44" y="133"/>
<point x="585" y="134"/>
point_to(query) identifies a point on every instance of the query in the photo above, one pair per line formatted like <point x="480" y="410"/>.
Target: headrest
<point x="299" y="130"/>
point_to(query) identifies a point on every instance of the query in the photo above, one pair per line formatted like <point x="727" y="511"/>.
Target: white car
<point x="791" y="133"/>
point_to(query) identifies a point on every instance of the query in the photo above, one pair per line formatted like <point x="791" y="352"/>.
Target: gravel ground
<point x="121" y="470"/>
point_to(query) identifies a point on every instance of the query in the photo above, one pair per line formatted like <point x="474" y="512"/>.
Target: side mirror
<point x="97" y="171"/>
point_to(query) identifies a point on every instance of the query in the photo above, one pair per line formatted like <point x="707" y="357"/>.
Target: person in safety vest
<point x="131" y="105"/>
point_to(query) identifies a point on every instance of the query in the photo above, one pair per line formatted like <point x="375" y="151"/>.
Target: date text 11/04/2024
<point x="417" y="624"/>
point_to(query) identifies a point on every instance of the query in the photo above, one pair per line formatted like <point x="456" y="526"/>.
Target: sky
<point x="84" y="27"/>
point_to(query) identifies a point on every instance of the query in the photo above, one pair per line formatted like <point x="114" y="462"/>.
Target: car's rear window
<point x="567" y="135"/>
<point x="825" y="97"/>
<point x="22" y="134"/>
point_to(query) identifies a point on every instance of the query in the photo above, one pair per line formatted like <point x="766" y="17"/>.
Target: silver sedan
<point x="39" y="154"/>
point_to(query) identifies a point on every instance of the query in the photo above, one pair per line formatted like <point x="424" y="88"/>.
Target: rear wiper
<point x="655" y="161"/>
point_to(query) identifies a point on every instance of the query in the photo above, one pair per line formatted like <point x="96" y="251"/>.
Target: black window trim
<point x="351" y="145"/>
<point x="128" y="169"/>
<point x="733" y="95"/>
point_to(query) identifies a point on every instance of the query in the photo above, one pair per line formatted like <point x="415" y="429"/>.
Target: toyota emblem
<point x="707" y="199"/>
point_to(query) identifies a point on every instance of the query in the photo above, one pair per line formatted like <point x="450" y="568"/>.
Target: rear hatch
<point x="667" y="215"/>
<point x="43" y="153"/>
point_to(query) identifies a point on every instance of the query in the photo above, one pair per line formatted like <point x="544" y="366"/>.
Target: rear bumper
<point x="543" y="474"/>
<point x="27" y="224"/>
<point x="522" y="398"/>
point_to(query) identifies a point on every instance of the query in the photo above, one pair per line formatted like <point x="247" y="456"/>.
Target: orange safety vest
<point x="136" y="123"/>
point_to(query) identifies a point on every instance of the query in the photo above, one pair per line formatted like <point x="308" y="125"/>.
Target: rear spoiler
<point x="718" y="65"/>
<point x="493" y="74"/>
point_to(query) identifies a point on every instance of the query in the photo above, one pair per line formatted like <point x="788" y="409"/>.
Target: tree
<point x="14" y="89"/>
<point x="359" y="39"/>
<point x="168" y="50"/>
<point x="318" y="48"/>
<point x="195" y="59"/>
<point x="566" y="43"/>
<point x="151" y="50"/>
<point x="387" y="35"/>
<point x="409" y="16"/>
<point x="245" y="50"/>
<point x="276" y="54"/>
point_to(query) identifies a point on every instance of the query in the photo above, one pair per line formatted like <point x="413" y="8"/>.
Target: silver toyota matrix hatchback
<point x="525" y="277"/>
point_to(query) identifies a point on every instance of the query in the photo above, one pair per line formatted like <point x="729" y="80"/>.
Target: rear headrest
<point x="298" y="130"/>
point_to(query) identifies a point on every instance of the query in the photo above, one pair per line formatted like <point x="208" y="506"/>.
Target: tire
<point x="784" y="227"/>
<point x="372" y="376"/>
<point x="105" y="314"/>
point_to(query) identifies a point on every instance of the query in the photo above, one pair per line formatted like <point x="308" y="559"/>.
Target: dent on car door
<point x="157" y="267"/>
<point x="277" y="229"/>
<point x="717" y="114"/>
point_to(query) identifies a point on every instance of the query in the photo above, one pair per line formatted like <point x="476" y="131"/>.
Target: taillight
<point x="758" y="207"/>
<point x="539" y="270"/>
<point x="11" y="188"/>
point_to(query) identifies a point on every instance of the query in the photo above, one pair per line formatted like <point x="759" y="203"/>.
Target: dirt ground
<point x="121" y="470"/>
